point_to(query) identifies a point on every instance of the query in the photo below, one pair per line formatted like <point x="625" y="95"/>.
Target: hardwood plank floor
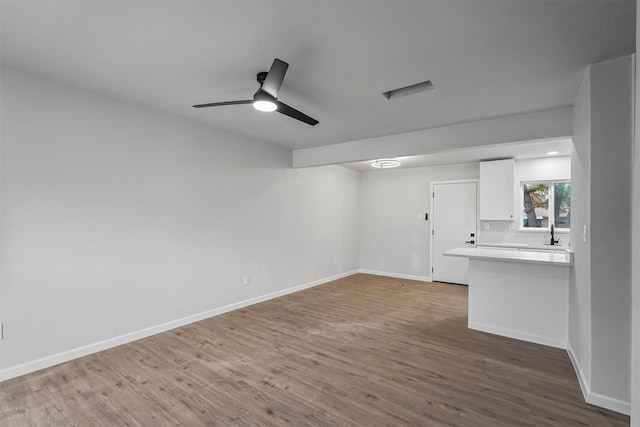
<point x="360" y="351"/>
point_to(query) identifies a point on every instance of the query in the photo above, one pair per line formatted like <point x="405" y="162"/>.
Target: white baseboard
<point x="595" y="398"/>
<point x="609" y="403"/>
<point x="519" y="335"/>
<point x="65" y="356"/>
<point x="396" y="275"/>
<point x="582" y="378"/>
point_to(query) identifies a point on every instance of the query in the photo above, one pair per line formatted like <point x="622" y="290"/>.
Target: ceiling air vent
<point x="408" y="90"/>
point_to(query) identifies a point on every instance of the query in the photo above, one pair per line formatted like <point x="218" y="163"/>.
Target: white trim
<point x="519" y="335"/>
<point x="396" y="275"/>
<point x="582" y="378"/>
<point x="596" y="398"/>
<point x="609" y="403"/>
<point x="65" y="356"/>
<point x="552" y="183"/>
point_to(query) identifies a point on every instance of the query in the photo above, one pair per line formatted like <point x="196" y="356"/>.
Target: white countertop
<point x="536" y="257"/>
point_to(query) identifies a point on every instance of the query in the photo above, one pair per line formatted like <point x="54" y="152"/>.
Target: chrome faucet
<point x="553" y="241"/>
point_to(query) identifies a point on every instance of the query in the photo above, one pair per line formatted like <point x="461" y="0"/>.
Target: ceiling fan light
<point x="264" y="105"/>
<point x="264" y="102"/>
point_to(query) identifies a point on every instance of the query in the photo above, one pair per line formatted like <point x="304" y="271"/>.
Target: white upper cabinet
<point x="496" y="190"/>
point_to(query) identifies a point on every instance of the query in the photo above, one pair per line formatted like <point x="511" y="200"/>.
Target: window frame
<point x="551" y="183"/>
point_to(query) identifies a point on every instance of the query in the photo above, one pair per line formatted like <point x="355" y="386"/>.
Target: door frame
<point x="431" y="190"/>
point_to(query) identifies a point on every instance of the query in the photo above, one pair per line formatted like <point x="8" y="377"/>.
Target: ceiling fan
<point x="266" y="98"/>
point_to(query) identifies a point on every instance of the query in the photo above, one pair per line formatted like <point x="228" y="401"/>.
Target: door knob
<point x="471" y="241"/>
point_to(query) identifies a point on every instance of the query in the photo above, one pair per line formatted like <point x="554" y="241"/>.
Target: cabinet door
<point x="496" y="190"/>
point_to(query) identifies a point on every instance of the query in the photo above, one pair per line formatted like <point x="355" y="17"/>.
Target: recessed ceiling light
<point x="552" y="153"/>
<point x="385" y="163"/>
<point x="408" y="90"/>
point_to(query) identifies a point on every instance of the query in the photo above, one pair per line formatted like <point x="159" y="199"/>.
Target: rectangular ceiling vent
<point x="408" y="90"/>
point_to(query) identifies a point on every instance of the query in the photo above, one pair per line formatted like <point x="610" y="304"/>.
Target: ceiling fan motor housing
<point x="262" y="75"/>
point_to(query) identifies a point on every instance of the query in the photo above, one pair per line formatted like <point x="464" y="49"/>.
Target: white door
<point x="454" y="225"/>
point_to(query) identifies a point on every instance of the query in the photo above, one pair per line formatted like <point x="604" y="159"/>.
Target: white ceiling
<point x="486" y="58"/>
<point x="519" y="151"/>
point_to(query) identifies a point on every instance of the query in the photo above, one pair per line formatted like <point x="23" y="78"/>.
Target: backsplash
<point x="505" y="232"/>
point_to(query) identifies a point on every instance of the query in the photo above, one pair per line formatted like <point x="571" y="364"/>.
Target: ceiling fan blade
<point x="274" y="78"/>
<point x="216" y="104"/>
<point x="292" y="112"/>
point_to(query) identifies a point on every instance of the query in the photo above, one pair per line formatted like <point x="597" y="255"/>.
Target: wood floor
<point x="360" y="351"/>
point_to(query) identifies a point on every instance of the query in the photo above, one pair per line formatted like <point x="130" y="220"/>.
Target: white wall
<point x="394" y="237"/>
<point x="635" y="250"/>
<point x="116" y="220"/>
<point x="579" y="345"/>
<point x="611" y="143"/>
<point x="547" y="168"/>
<point x="602" y="162"/>
<point x="542" y="169"/>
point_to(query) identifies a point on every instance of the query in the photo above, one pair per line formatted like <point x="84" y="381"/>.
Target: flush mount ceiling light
<point x="385" y="163"/>
<point x="408" y="90"/>
<point x="552" y="153"/>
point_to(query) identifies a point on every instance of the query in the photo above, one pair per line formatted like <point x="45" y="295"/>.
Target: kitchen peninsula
<point x="520" y="294"/>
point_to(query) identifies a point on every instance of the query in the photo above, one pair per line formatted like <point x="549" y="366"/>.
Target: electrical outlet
<point x="246" y="279"/>
<point x="335" y="260"/>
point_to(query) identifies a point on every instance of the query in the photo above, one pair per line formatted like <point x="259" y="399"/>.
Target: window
<point x="545" y="203"/>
